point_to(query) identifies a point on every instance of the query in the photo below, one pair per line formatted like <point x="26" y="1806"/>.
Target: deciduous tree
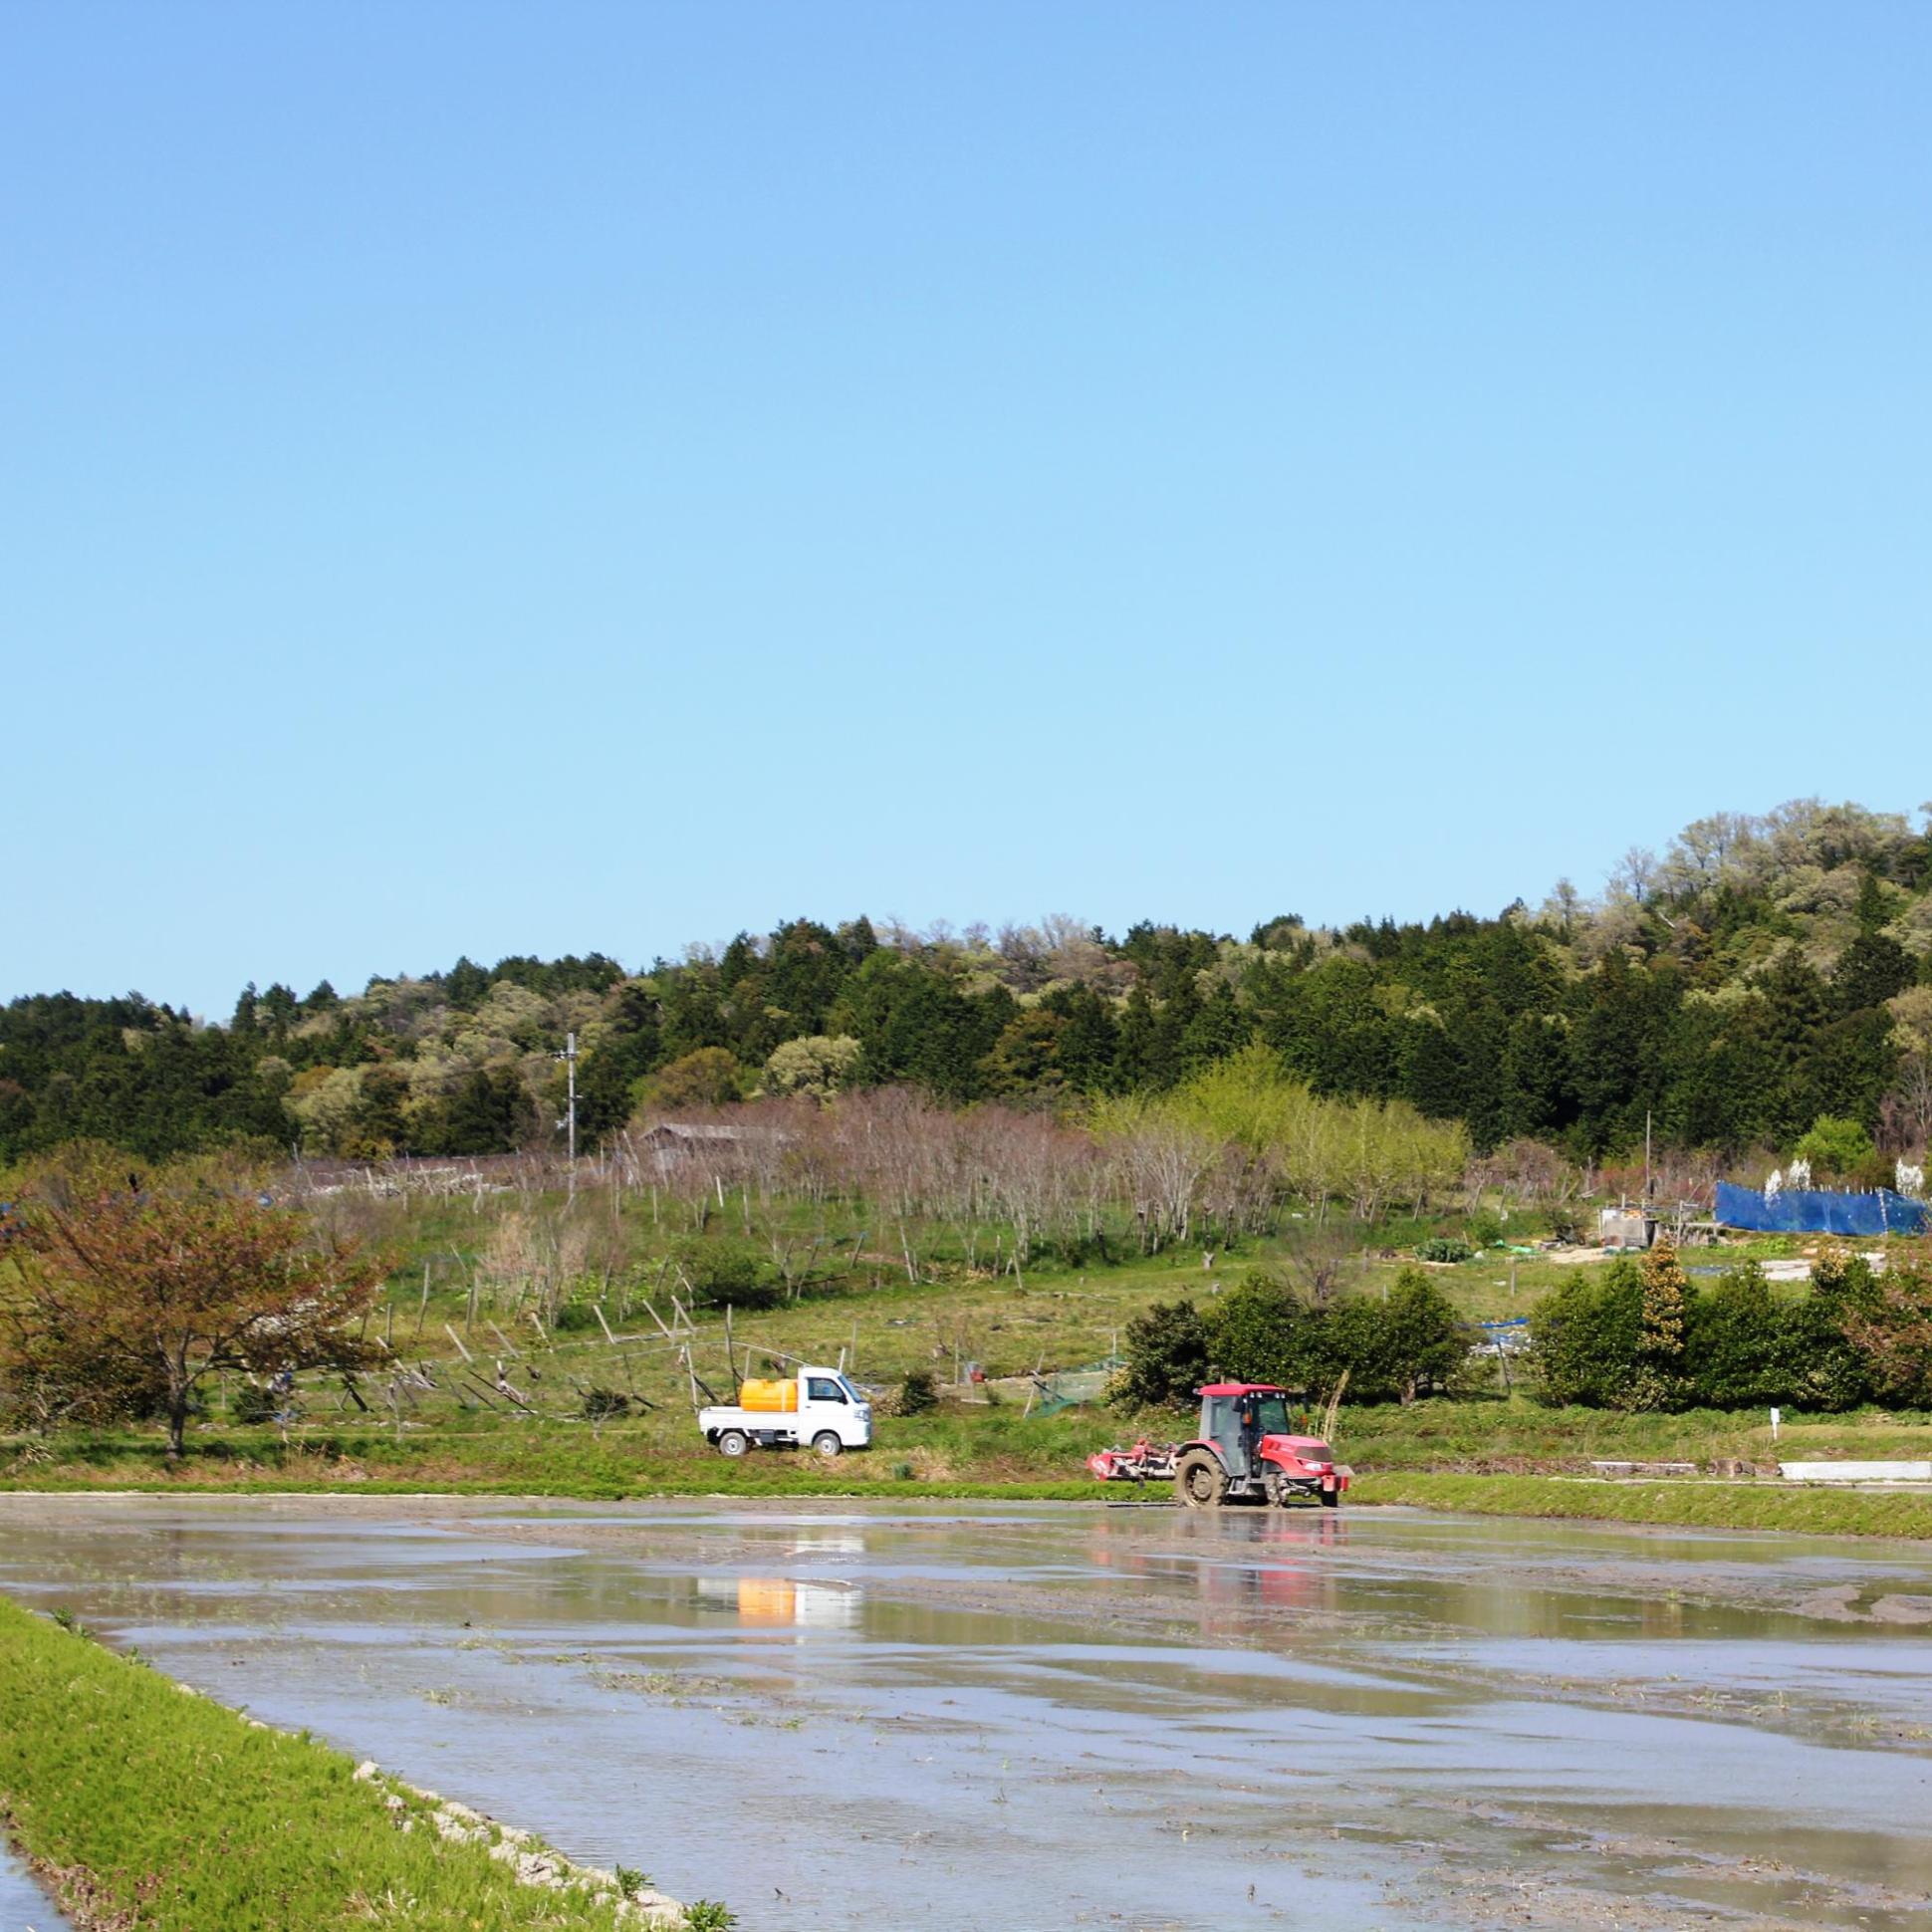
<point x="146" y="1289"/>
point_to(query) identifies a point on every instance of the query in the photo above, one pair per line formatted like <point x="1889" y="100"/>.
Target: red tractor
<point x="1247" y="1449"/>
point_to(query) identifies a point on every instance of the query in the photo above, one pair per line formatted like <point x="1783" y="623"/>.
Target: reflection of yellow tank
<point x="776" y="1601"/>
<point x="766" y="1599"/>
<point x="770" y="1398"/>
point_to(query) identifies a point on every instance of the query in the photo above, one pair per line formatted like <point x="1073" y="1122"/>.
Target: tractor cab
<point x="1248" y="1449"/>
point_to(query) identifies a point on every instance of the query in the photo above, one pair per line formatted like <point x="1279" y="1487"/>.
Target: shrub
<point x="1826" y="1367"/>
<point x="917" y="1393"/>
<point x="1741" y="1347"/>
<point x="1836" y="1148"/>
<point x="1583" y="1338"/>
<point x="1260" y="1331"/>
<point x="728" y="1271"/>
<point x="571" y="1317"/>
<point x="252" y="1404"/>
<point x="1888" y="1320"/>
<point x="1484" y="1230"/>
<point x="1737" y="1345"/>
<point x="1392" y="1349"/>
<point x="1419" y="1340"/>
<point x="599" y="1404"/>
<point x="1445" y="1247"/>
<point x="1166" y="1357"/>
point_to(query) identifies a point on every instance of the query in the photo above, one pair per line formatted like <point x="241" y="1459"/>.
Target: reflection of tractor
<point x="1246" y="1449"/>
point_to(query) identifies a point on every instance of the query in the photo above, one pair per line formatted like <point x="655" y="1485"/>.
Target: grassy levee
<point x="146" y="1806"/>
<point x="994" y="1454"/>
<point x="1488" y="1456"/>
<point x="1685" y="1505"/>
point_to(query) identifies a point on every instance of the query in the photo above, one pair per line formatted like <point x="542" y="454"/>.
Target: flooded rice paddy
<point x="1063" y="1716"/>
<point x="23" y="1906"/>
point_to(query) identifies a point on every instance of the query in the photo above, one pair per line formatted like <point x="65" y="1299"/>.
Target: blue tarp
<point x="1810" y="1210"/>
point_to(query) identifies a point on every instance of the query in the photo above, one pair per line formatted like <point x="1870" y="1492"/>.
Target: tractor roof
<point x="1242" y="1388"/>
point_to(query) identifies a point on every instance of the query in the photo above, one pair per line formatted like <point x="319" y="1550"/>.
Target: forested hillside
<point x="1761" y="973"/>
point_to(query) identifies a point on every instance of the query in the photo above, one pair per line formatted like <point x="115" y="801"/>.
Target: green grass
<point x="1522" y="1437"/>
<point x="994" y="1453"/>
<point x="1691" y="1505"/>
<point x="151" y="1807"/>
<point x="947" y="1454"/>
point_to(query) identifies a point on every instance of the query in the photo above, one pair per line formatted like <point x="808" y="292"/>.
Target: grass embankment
<point x="145" y="1806"/>
<point x="1522" y="1437"/>
<point x="995" y="1453"/>
<point x="1687" y="1504"/>
<point x="1487" y="1456"/>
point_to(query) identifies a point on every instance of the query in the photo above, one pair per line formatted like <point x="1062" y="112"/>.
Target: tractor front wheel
<point x="1200" y="1482"/>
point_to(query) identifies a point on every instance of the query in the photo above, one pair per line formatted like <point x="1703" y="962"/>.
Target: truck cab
<point x="818" y="1408"/>
<point x="1248" y="1449"/>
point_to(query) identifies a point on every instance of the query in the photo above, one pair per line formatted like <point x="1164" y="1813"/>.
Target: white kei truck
<point x="817" y="1408"/>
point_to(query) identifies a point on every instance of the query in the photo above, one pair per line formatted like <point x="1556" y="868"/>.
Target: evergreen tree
<point x="1089" y="1040"/>
<point x="1659" y="1380"/>
<point x="1134" y="1061"/>
<point x="1217" y="1029"/>
<point x="1535" y="1075"/>
<point x="1871" y="970"/>
<point x="466" y="984"/>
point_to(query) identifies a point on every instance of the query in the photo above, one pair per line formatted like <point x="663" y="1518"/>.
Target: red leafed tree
<point x="138" y="1296"/>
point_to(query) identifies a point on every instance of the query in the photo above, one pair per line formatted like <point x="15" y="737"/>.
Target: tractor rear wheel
<point x="1200" y="1482"/>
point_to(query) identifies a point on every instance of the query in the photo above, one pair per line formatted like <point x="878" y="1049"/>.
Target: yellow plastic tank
<point x="771" y="1398"/>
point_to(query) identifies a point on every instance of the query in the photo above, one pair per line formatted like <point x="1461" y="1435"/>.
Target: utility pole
<point x="569" y="1058"/>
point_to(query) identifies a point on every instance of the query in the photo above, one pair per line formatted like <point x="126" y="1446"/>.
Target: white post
<point x="569" y="1058"/>
<point x="1774" y="1425"/>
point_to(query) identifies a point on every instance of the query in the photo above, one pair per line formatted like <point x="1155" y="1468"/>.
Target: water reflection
<point x="1134" y="1714"/>
<point x="767" y="1602"/>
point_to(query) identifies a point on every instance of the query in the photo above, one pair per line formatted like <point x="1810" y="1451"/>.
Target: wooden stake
<point x="458" y="1339"/>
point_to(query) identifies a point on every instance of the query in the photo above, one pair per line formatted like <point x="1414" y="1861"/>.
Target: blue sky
<point x="485" y="479"/>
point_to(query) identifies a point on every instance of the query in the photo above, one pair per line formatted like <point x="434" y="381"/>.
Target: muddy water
<point x="1061" y="1716"/>
<point x="23" y="1906"/>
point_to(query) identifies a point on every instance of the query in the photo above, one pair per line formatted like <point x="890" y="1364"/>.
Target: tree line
<point x="1633" y="1335"/>
<point x="1763" y="972"/>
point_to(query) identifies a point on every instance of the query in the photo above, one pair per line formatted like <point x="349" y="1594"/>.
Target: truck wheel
<point x="1332" y="1498"/>
<point x="826" y="1443"/>
<point x="1200" y="1482"/>
<point x="734" y="1442"/>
